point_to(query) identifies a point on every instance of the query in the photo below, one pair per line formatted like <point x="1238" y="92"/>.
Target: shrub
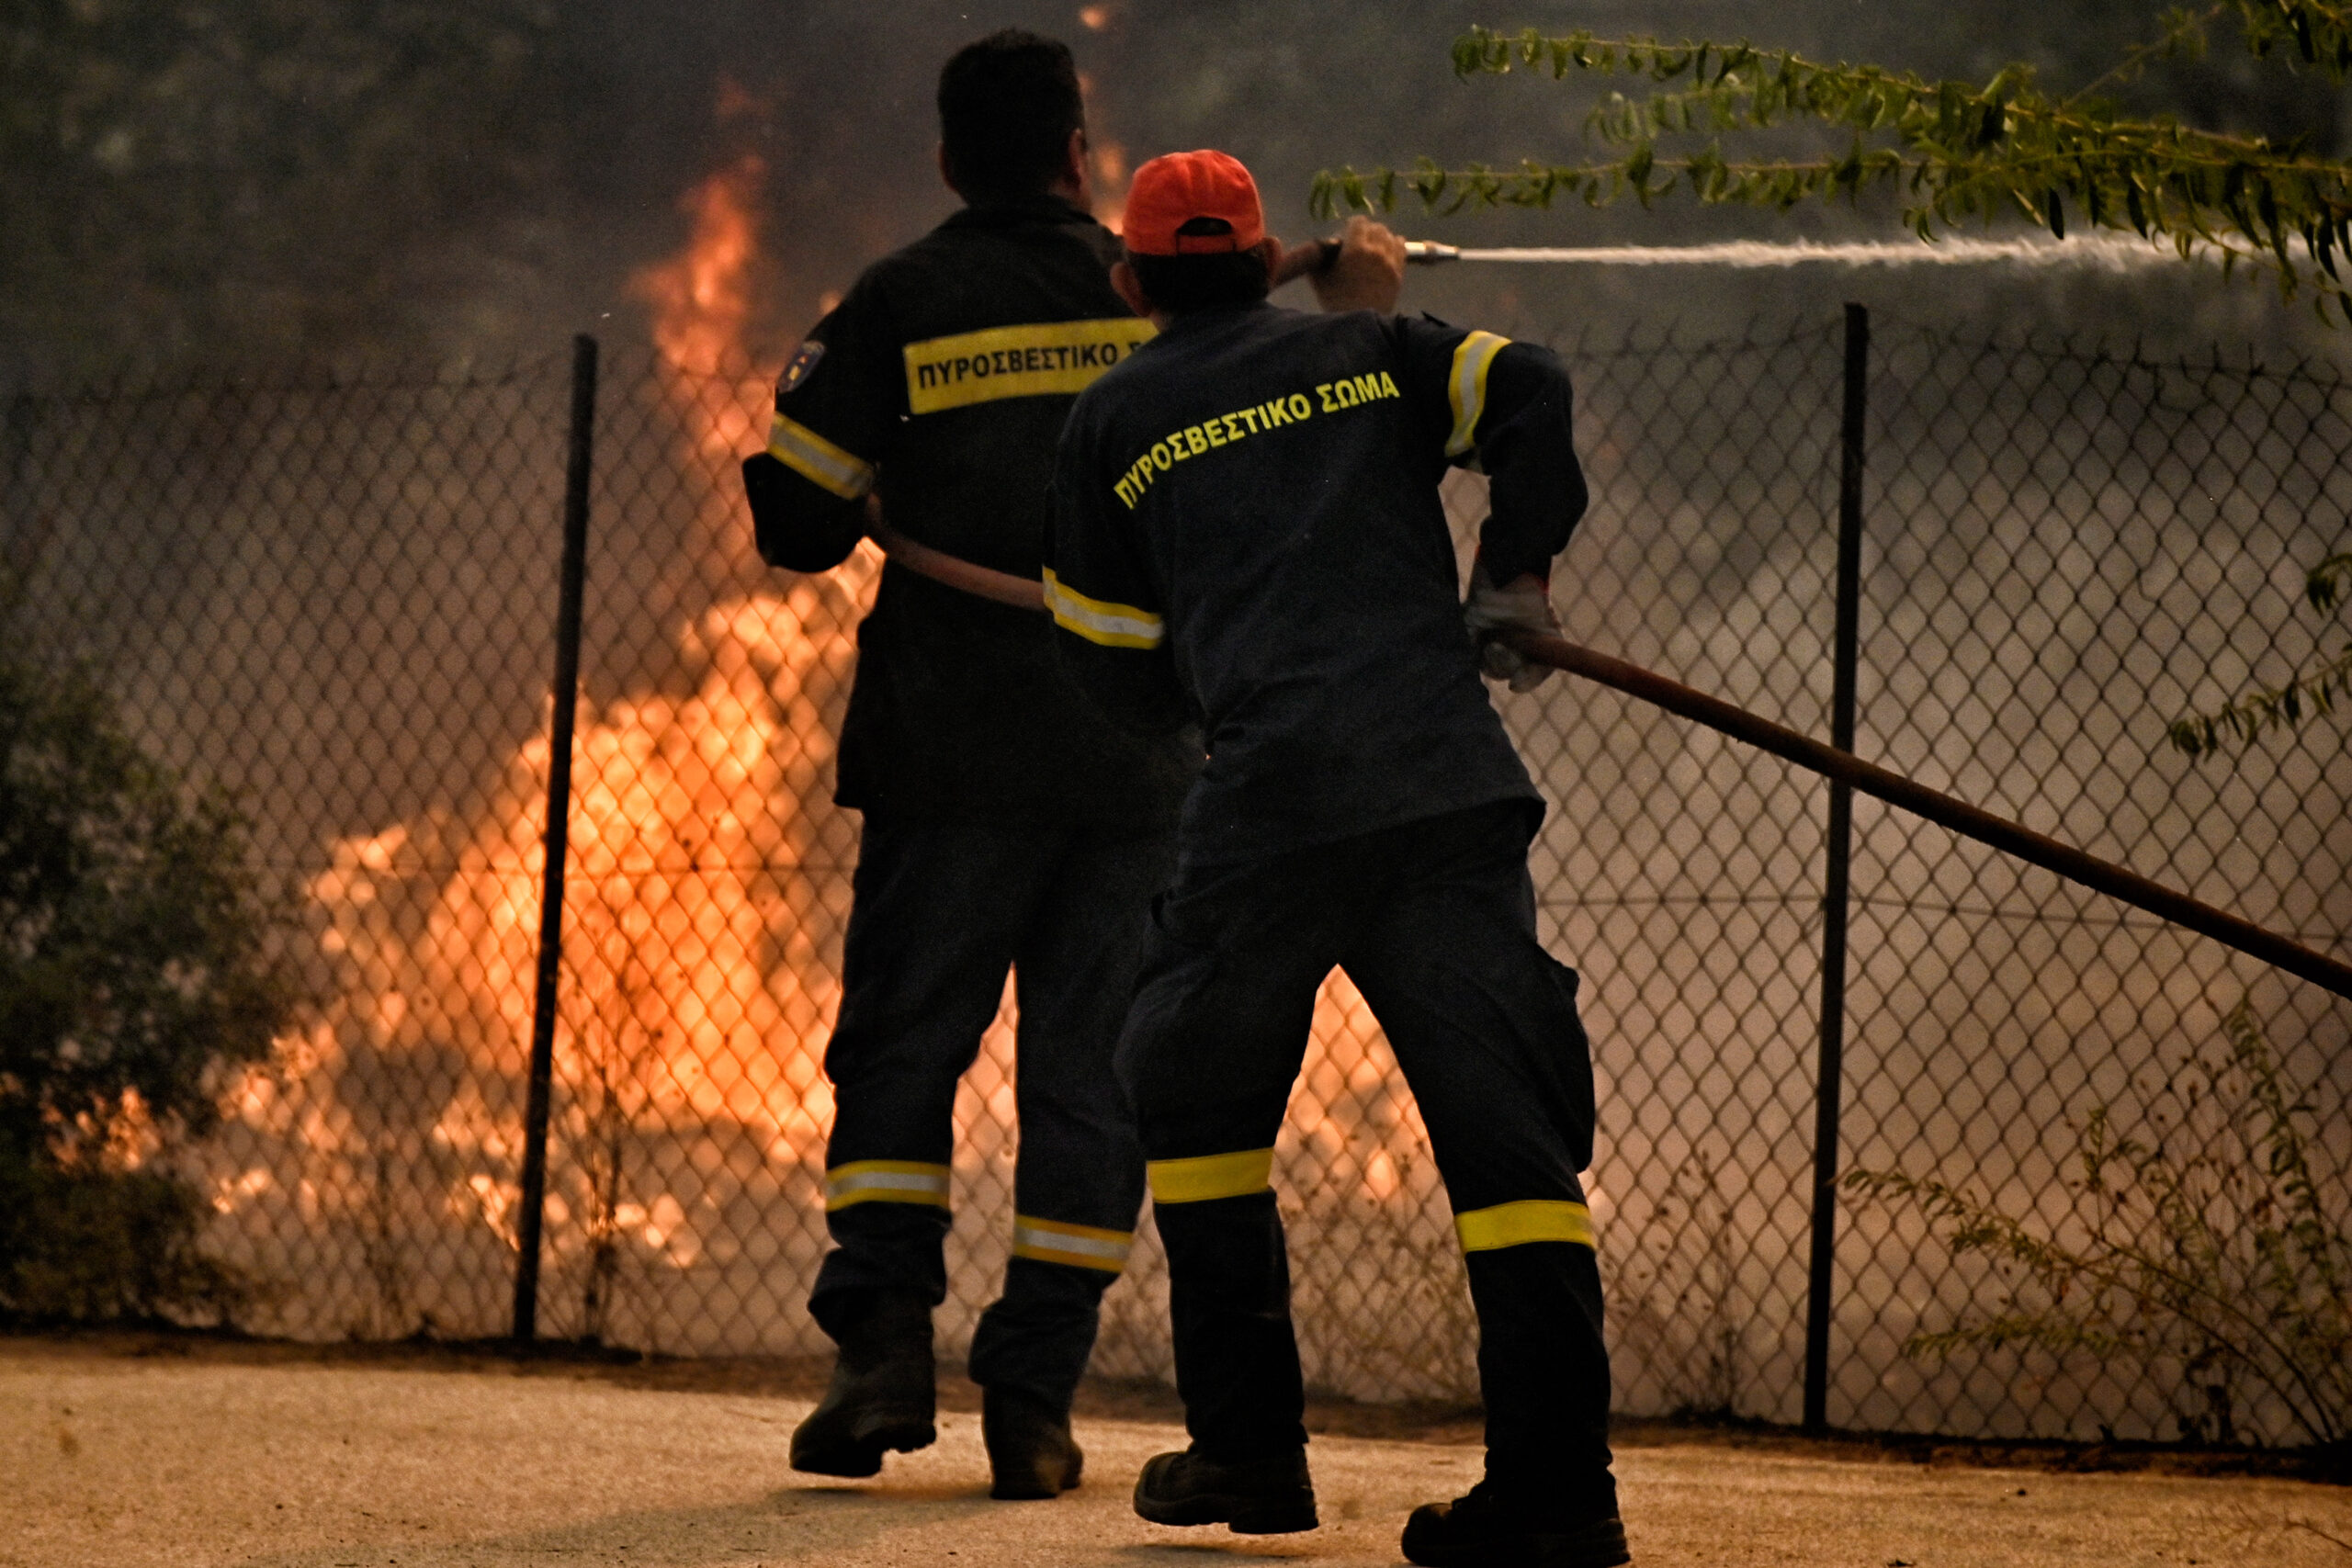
<point x="139" y="964"/>
<point x="2206" y="1256"/>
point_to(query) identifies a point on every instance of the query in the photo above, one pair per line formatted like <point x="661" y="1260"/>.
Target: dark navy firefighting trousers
<point x="941" y="909"/>
<point x="1434" y="920"/>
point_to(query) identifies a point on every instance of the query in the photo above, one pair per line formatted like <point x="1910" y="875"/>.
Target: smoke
<point x="704" y="179"/>
<point x="378" y="181"/>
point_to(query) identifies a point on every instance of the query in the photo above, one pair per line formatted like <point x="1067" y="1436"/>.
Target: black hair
<point x="1179" y="285"/>
<point x="1007" y="104"/>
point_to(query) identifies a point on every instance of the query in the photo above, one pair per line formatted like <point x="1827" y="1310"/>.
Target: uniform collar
<point x="1214" y="317"/>
<point x="1029" y="209"/>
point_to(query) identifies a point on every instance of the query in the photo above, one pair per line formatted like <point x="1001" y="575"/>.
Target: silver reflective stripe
<point x="1075" y="1246"/>
<point x="817" y="460"/>
<point x="886" y="1180"/>
<point x="1099" y="620"/>
<point x="1467" y="387"/>
<point x="1036" y="1237"/>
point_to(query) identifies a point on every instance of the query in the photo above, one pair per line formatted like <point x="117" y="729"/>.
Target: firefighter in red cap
<point x="1248" y="535"/>
<point x="1007" y="823"/>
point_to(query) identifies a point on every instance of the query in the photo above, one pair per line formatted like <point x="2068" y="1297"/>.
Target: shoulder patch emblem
<point x="802" y="364"/>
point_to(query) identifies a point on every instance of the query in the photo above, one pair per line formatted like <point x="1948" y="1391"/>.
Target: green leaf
<point x="2328" y="583"/>
<point x="1957" y="151"/>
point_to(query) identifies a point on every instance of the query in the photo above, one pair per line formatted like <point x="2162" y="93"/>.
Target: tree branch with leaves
<point x="1952" y="152"/>
<point x="2308" y="694"/>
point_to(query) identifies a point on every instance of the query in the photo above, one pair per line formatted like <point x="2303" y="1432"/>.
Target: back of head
<point x="1007" y="106"/>
<point x="1195" y="226"/>
<point x="1182" y="285"/>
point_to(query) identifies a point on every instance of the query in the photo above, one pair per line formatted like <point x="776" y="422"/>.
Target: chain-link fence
<point x="338" y="598"/>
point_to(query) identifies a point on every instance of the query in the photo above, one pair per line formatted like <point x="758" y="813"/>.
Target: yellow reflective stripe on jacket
<point x="817" y="460"/>
<point x="1207" y="1177"/>
<point x="1466" y="385"/>
<point x="1042" y="359"/>
<point x="1083" y="1247"/>
<point x="1515" y="1225"/>
<point x="886" y="1181"/>
<point x="1099" y="620"/>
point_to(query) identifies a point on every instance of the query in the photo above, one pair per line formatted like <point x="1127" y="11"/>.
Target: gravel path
<point x="108" y="1463"/>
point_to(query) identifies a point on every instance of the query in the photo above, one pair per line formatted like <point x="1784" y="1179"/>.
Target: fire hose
<point x="1842" y="767"/>
<point x="1003" y="587"/>
<point x="1908" y="794"/>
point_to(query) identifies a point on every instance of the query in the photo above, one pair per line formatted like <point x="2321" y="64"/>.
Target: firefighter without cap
<point x="1247" y="533"/>
<point x="1006" y="822"/>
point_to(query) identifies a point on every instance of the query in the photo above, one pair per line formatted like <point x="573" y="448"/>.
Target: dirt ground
<point x="119" y="1453"/>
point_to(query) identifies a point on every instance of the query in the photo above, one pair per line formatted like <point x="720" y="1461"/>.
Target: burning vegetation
<point x="706" y="889"/>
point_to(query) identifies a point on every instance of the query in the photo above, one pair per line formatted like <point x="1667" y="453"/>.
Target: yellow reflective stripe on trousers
<point x="1208" y="1176"/>
<point x="1466" y="386"/>
<point x="1037" y="360"/>
<point x="1516" y="1225"/>
<point x="1082" y="1246"/>
<point x="817" y="460"/>
<point x="886" y="1181"/>
<point x="1099" y="620"/>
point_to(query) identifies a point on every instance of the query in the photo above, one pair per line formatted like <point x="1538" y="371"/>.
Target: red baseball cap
<point x="1172" y="190"/>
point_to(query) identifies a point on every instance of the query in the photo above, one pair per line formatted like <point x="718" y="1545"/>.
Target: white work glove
<point x="1523" y="605"/>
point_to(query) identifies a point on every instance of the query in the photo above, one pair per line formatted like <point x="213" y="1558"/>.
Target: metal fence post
<point x="22" y="531"/>
<point x="1844" y="654"/>
<point x="577" y="472"/>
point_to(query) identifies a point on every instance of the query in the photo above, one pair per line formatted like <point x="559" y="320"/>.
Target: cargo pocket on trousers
<point x="1573" y="1061"/>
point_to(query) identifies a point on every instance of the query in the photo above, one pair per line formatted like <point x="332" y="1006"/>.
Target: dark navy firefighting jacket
<point x="940" y="384"/>
<point x="1248" y="534"/>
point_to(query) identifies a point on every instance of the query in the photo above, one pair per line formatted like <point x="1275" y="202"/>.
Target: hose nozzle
<point x="1320" y="256"/>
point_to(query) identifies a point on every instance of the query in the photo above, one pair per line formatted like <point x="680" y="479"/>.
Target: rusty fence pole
<point x="578" y="469"/>
<point x="1828" y="1079"/>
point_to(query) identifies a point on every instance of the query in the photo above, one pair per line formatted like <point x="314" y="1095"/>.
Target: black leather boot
<point x="1488" y="1528"/>
<point x="1031" y="1452"/>
<point x="1271" y="1496"/>
<point x="883" y="1396"/>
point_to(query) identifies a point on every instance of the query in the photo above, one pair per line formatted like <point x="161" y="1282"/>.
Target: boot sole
<point x="851" y="1463"/>
<point x="1242" y="1516"/>
<point x="860" y="1455"/>
<point x="1600" y="1545"/>
<point x="1034" y="1487"/>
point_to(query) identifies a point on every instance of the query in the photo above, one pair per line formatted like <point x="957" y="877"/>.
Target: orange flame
<point x="695" y="990"/>
<point x="1111" y="185"/>
<point x="702" y="301"/>
<point x="1110" y="157"/>
<point x="705" y="875"/>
